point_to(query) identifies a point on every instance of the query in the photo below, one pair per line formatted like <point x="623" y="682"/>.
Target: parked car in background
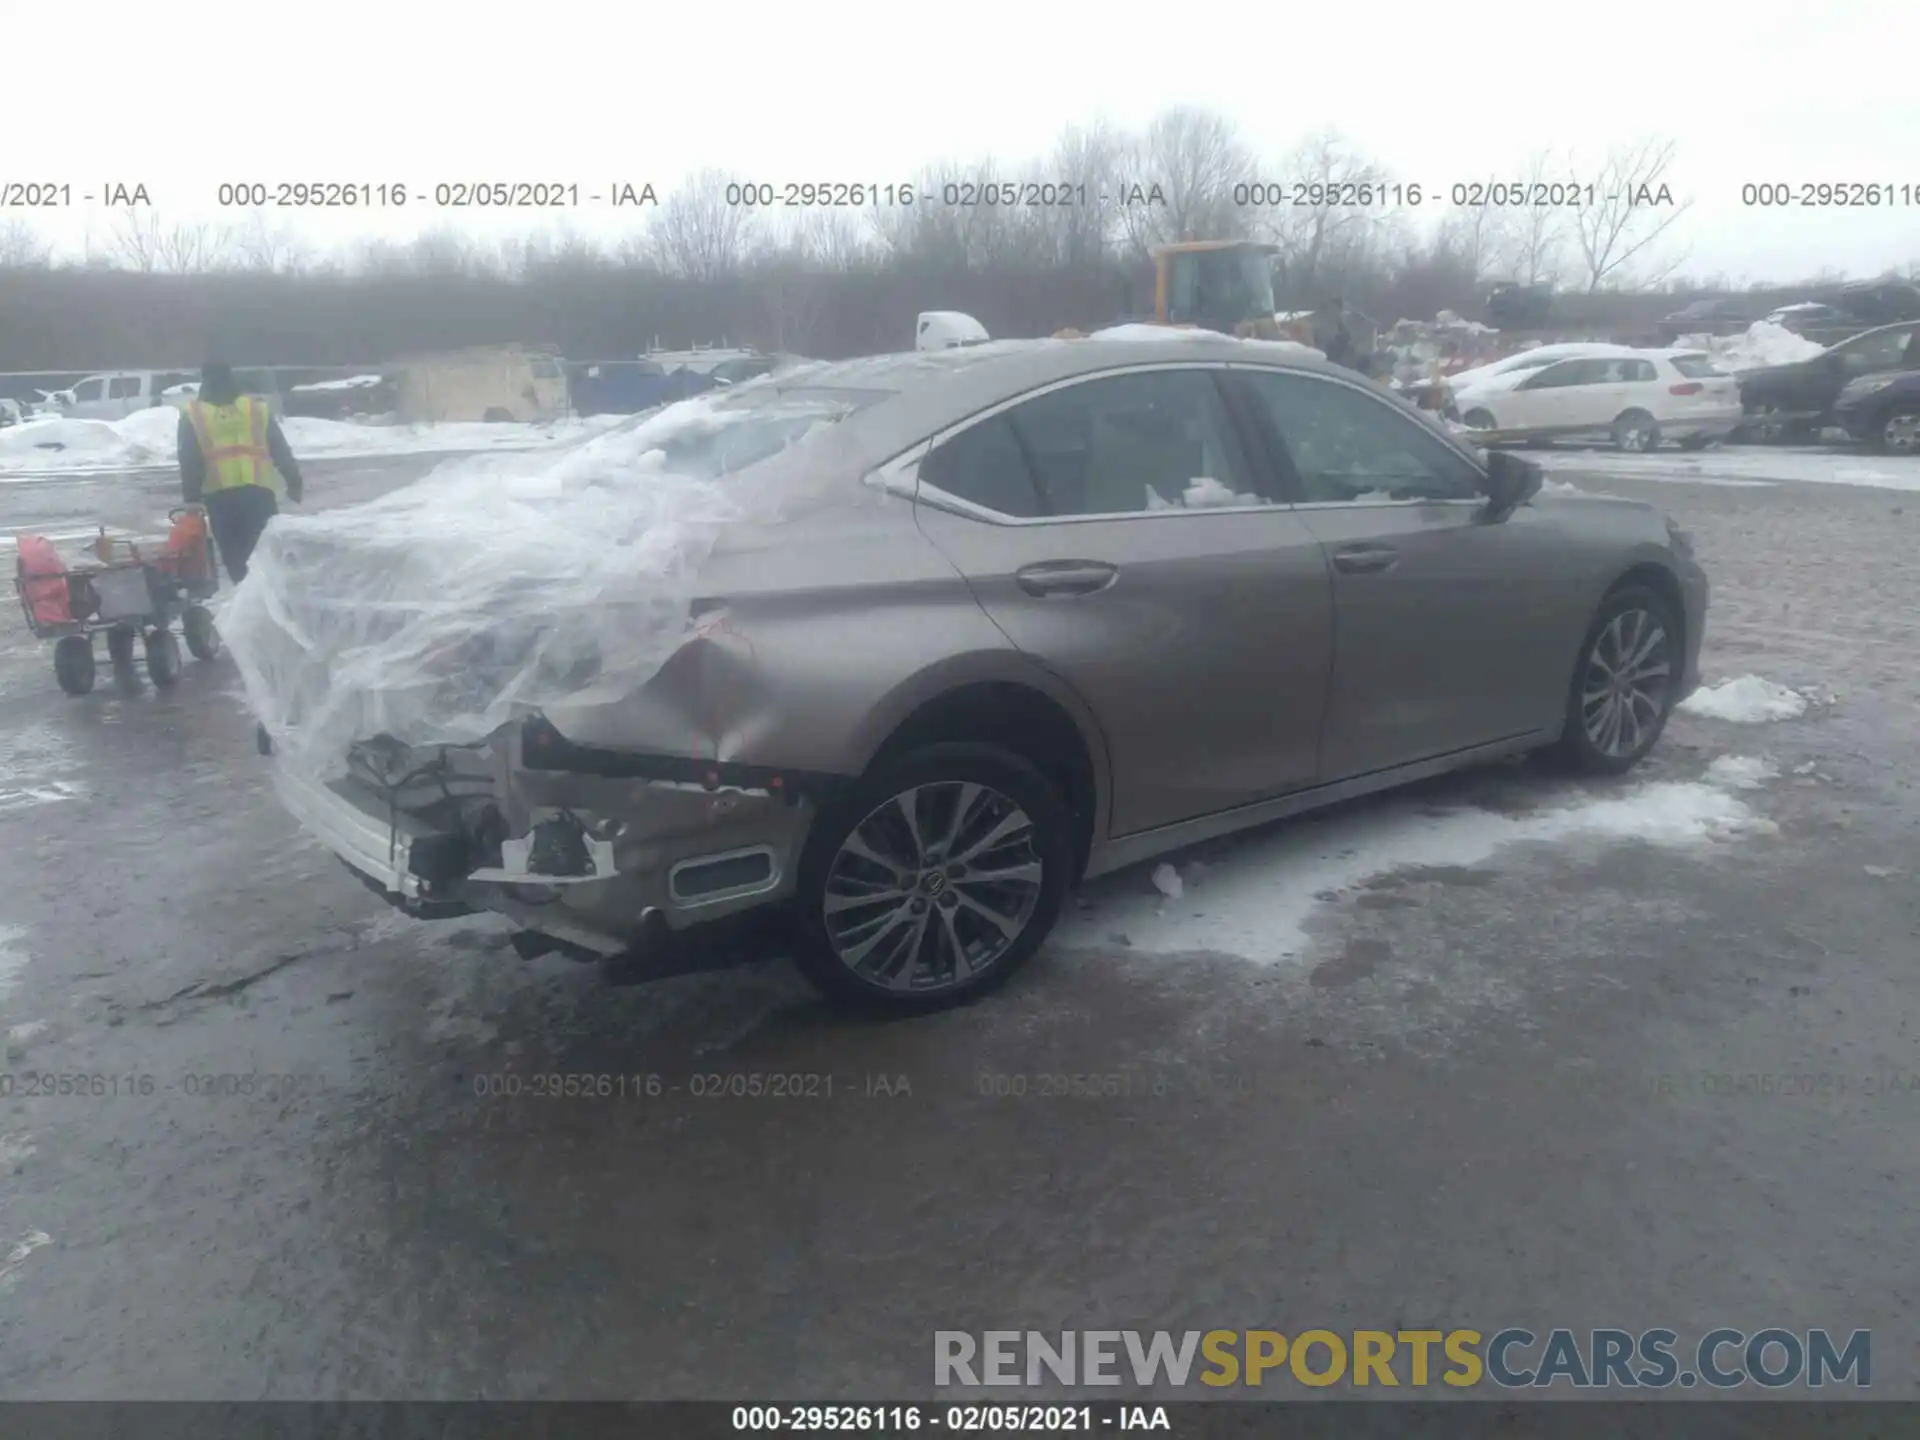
<point x="1793" y="401"/>
<point x="118" y="394"/>
<point x="1707" y="317"/>
<point x="1104" y="629"/>
<point x="1520" y="307"/>
<point x="1883" y="411"/>
<point x="12" y="412"/>
<point x="1806" y="315"/>
<point x="1638" y="399"/>
<point x="1881" y="302"/>
<point x="1519" y="364"/>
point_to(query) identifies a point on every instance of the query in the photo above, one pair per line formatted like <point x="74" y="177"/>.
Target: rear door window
<point x="124" y="387"/>
<point x="983" y="465"/>
<point x="1637" y="372"/>
<point x="1121" y="444"/>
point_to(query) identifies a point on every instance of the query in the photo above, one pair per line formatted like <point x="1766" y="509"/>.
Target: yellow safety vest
<point x="233" y="442"/>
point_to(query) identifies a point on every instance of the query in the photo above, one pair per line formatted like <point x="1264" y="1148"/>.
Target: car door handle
<point x="1365" y="559"/>
<point x="1067" y="577"/>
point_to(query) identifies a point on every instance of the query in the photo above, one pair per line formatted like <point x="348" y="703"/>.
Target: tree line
<point x="705" y="268"/>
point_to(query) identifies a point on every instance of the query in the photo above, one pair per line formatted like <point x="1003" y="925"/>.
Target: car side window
<point x="124" y="387"/>
<point x="1347" y="445"/>
<point x="1875" y="351"/>
<point x="1638" y="372"/>
<point x="1122" y="444"/>
<point x="1563" y="373"/>
<point x="90" y="390"/>
<point x="983" y="465"/>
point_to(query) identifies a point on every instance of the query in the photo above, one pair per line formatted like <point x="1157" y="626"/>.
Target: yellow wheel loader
<point x="1224" y="285"/>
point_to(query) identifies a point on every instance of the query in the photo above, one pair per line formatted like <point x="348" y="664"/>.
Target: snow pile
<point x="148" y="438"/>
<point x="1262" y="892"/>
<point x="1741" y="772"/>
<point x="352" y="382"/>
<point x="343" y="438"/>
<point x="1748" y="700"/>
<point x="1150" y="333"/>
<point x="1764" y="343"/>
<point x="1163" y="333"/>
<point x="437" y="612"/>
<point x="63" y="444"/>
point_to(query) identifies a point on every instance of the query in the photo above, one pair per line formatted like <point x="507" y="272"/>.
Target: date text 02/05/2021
<point x="958" y="1419"/>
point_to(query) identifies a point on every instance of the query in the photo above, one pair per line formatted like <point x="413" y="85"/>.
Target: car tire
<point x="1899" y="433"/>
<point x="1695" y="442"/>
<point x="923" y="898"/>
<point x="73" y="663"/>
<point x="1478" y="419"/>
<point x="1635" y="431"/>
<point x="1587" y="744"/>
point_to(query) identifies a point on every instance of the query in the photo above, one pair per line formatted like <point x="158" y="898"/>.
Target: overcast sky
<point x="421" y="93"/>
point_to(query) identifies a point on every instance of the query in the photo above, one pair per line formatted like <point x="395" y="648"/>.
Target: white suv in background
<point x="1637" y="398"/>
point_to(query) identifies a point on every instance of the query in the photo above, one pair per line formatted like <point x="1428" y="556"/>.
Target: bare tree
<point x="140" y="240"/>
<point x="831" y="241"/>
<point x="1530" y="241"/>
<point x="264" y="246"/>
<point x="21" y="246"/>
<point x="793" y="299"/>
<point x="697" y="234"/>
<point x="1478" y="236"/>
<point x="1079" y="214"/>
<point x="928" y="234"/>
<point x="1194" y="158"/>
<point x="1345" y="192"/>
<point x="1631" y="208"/>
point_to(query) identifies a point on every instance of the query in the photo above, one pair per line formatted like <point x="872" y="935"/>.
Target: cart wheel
<point x="73" y="663"/>
<point x="202" y="639"/>
<point x="163" y="657"/>
<point x="120" y="648"/>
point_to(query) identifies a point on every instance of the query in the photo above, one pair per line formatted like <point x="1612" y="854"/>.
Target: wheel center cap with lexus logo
<point x="933" y="882"/>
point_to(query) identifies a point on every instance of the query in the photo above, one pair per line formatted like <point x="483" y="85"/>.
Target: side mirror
<point x="1511" y="482"/>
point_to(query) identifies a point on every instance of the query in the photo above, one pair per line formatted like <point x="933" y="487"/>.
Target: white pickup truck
<point x="118" y="394"/>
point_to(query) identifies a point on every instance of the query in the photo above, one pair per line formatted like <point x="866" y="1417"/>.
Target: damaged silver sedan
<point x="902" y="648"/>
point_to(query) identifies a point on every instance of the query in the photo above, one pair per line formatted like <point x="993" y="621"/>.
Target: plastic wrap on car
<point x="499" y="585"/>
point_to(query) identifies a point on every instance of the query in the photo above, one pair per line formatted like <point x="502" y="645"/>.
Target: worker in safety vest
<point x="235" y="461"/>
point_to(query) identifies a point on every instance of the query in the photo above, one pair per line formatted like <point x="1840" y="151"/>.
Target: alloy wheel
<point x="932" y="887"/>
<point x="1623" y="692"/>
<point x="1901" y="434"/>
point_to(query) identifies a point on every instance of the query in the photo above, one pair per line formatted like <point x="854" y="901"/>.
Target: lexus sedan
<point x="1058" y="607"/>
